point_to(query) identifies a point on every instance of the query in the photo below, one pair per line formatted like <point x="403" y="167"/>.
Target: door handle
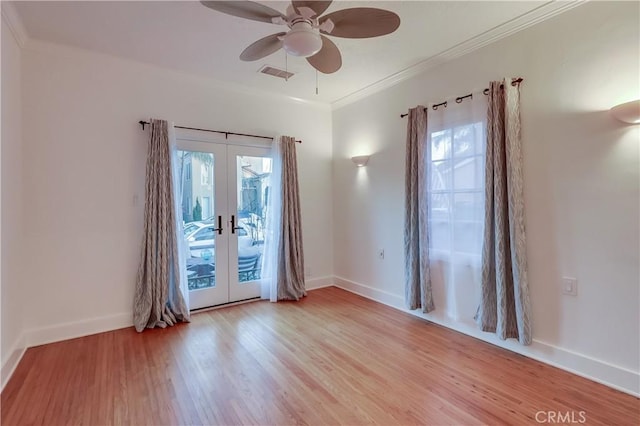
<point x="219" y="228"/>
<point x="233" y="224"/>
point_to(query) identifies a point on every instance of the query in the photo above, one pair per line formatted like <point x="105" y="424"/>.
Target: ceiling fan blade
<point x="245" y="9"/>
<point x="317" y="6"/>
<point x="263" y="47"/>
<point x="362" y="22"/>
<point x="328" y="60"/>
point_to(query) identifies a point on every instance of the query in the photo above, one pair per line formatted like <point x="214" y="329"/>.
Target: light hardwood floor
<point x="333" y="358"/>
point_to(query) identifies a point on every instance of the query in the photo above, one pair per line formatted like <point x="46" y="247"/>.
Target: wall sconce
<point x="360" y="160"/>
<point x="628" y="112"/>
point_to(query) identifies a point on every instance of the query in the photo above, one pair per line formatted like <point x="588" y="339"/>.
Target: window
<point x="187" y="172"/>
<point x="456" y="189"/>
<point x="454" y="158"/>
<point x="205" y="178"/>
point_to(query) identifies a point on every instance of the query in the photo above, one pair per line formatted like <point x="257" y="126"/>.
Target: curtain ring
<point x="435" y="107"/>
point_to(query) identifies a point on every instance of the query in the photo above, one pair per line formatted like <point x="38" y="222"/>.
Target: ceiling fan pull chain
<point x="316" y="82"/>
<point x="286" y="65"/>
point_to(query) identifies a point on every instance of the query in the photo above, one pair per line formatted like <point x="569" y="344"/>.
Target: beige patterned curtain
<point x="505" y="306"/>
<point x="290" y="258"/>
<point x="158" y="300"/>
<point x="416" y="239"/>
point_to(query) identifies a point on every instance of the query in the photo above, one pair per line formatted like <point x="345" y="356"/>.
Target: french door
<point x="224" y="193"/>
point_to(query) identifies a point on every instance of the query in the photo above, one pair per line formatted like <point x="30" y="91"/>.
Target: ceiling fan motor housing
<point x="302" y="40"/>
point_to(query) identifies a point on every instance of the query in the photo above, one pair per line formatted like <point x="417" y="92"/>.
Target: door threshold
<point x="224" y="305"/>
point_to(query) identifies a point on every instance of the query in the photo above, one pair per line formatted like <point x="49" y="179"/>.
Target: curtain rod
<point x="225" y="133"/>
<point x="459" y="99"/>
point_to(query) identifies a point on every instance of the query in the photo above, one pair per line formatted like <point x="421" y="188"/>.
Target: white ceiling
<point x="187" y="36"/>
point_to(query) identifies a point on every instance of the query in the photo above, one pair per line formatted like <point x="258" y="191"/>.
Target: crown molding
<point x="535" y="16"/>
<point x="13" y="21"/>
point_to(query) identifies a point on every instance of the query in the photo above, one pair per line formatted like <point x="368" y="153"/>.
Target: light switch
<point x="569" y="286"/>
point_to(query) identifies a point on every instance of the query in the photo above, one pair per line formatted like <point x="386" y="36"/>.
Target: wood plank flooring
<point x="333" y="358"/>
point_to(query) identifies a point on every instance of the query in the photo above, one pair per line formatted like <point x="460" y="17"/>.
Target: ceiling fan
<point x="307" y="36"/>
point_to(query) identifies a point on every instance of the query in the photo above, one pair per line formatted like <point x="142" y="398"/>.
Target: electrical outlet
<point x="307" y="271"/>
<point x="381" y="253"/>
<point x="569" y="286"/>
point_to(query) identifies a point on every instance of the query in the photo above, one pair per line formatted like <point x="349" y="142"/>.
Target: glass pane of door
<point x="197" y="213"/>
<point x="252" y="186"/>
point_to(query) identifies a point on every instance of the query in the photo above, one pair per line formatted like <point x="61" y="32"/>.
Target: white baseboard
<point x="15" y="355"/>
<point x="614" y="376"/>
<point x="316" y="283"/>
<point x="389" y="299"/>
<point x="72" y="330"/>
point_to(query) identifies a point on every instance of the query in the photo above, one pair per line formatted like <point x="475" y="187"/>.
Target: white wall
<point x="11" y="211"/>
<point x="84" y="161"/>
<point x="83" y="164"/>
<point x="581" y="183"/>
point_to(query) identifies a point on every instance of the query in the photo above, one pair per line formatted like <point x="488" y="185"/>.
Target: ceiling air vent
<point x="276" y="72"/>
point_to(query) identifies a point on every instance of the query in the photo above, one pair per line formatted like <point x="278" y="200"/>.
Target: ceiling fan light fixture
<point x="302" y="40"/>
